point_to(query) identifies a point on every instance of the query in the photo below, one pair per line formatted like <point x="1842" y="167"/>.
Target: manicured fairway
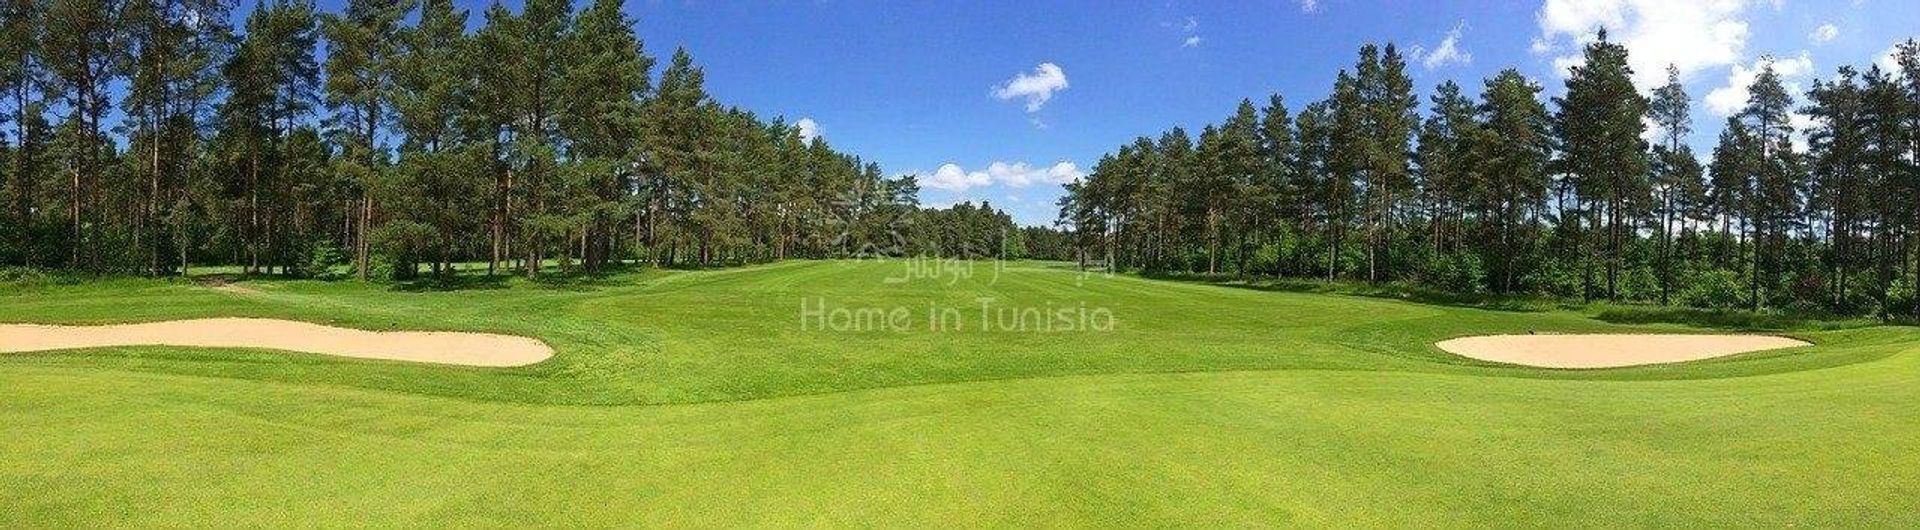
<point x="707" y="399"/>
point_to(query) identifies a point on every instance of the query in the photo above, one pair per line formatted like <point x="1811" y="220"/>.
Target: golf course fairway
<point x="871" y="393"/>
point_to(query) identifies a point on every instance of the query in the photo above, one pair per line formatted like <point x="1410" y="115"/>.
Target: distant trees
<point x="1497" y="192"/>
<point x="540" y="137"/>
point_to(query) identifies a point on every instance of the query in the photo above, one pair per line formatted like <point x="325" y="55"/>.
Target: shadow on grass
<point x="1388" y="290"/>
<point x="454" y="282"/>
<point x="577" y="279"/>
<point x="1733" y="319"/>
<point x="581" y="280"/>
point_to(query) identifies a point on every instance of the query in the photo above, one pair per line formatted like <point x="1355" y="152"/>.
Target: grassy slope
<point x="1206" y="404"/>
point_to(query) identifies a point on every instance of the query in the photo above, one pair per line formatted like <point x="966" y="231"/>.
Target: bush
<point x="1458" y="272"/>
<point x="1264" y="260"/>
<point x="1555" y="278"/>
<point x="320" y="259"/>
<point x="23" y="275"/>
<point x="1714" y="289"/>
<point x="403" y="245"/>
<point x="1900" y="297"/>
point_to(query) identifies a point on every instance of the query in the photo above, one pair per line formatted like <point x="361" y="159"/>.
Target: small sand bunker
<point x="1608" y="351"/>
<point x="469" y="349"/>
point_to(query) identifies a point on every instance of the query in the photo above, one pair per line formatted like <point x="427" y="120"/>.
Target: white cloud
<point x="1689" y="34"/>
<point x="1539" y="46"/>
<point x="1448" y="52"/>
<point x="808" y="129"/>
<point x="1191" y="42"/>
<point x="1824" y="34"/>
<point x="1309" y="6"/>
<point x="1886" y="59"/>
<point x="1730" y="99"/>
<point x="952" y="177"/>
<point x="1036" y="87"/>
<point x="1801" y="125"/>
<point x="1192" y="24"/>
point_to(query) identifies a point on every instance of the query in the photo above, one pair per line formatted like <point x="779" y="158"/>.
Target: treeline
<point x="1597" y="197"/>
<point x="145" y="135"/>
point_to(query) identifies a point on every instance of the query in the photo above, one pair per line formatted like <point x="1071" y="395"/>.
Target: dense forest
<point x="1592" y="195"/>
<point x="141" y="136"/>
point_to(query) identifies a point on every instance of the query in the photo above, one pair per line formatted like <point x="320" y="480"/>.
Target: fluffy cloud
<point x="808" y="129"/>
<point x="1824" y="34"/>
<point x="1690" y="34"/>
<point x="1729" y="99"/>
<point x="1013" y="175"/>
<point x="1732" y="98"/>
<point x="1309" y="6"/>
<point x="1036" y="87"/>
<point x="1448" y="52"/>
<point x="1191" y="42"/>
<point x="1886" y="59"/>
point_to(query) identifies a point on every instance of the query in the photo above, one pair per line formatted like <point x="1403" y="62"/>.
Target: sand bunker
<point x="469" y="349"/>
<point x="1607" y="351"/>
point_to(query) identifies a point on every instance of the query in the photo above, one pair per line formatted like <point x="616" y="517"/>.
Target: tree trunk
<point x="73" y="214"/>
<point x="365" y="246"/>
<point x="1666" y="244"/>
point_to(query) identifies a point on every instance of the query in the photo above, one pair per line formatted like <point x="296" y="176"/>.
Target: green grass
<point x="697" y="398"/>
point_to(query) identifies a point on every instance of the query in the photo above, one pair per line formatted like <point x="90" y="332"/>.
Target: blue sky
<point x="916" y="85"/>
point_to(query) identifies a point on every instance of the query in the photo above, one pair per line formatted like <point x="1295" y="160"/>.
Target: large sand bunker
<point x="470" y="349"/>
<point x="1608" y="351"/>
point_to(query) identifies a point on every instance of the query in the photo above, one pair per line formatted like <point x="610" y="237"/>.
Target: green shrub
<point x="321" y="257"/>
<point x="24" y="275"/>
<point x="1900" y="297"/>
<point x="1714" y="289"/>
<point x="1458" y="272"/>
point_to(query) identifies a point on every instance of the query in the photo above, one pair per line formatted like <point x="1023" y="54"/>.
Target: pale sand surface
<point x="470" y="349"/>
<point x="1607" y="351"/>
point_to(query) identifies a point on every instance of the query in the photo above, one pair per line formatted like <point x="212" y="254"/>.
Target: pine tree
<point x="22" y="74"/>
<point x="1312" y="150"/>
<point x="1907" y="56"/>
<point x="1388" y="117"/>
<point x="489" y="119"/>
<point x="1735" y="162"/>
<point x="1445" y="167"/>
<point x="1175" y="174"/>
<point x="362" y="44"/>
<point x="445" y="165"/>
<point x="601" y="115"/>
<point x="1243" y="200"/>
<point x="534" y="66"/>
<point x="1777" y="199"/>
<point x="1284" y="193"/>
<point x="1350" y="150"/>
<point x="1599" y="129"/>
<point x="1512" y="150"/>
<point x="83" y="50"/>
<point x="176" y="48"/>
<point x="680" y="157"/>
<point x="1674" y="167"/>
<point x="1886" y="133"/>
